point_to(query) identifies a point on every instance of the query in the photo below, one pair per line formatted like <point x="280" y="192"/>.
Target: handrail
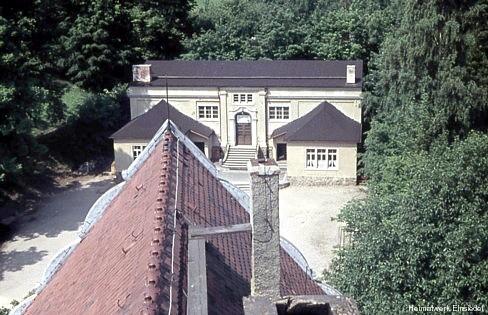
<point x="227" y="149"/>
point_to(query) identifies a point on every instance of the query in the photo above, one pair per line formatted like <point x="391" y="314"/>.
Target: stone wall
<point x="320" y="181"/>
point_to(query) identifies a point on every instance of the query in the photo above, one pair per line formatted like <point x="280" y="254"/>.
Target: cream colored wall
<point x="123" y="154"/>
<point x="141" y="105"/>
<point x="274" y="124"/>
<point x="296" y="158"/>
<point x="351" y="108"/>
<point x="304" y="100"/>
<point x="184" y="99"/>
<point x="300" y="101"/>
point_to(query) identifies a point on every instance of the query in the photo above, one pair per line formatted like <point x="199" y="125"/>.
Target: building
<point x="132" y="139"/>
<point x="322" y="141"/>
<point x="175" y="239"/>
<point x="245" y="102"/>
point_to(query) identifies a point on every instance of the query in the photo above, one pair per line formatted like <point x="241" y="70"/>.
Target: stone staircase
<point x="245" y="187"/>
<point x="238" y="157"/>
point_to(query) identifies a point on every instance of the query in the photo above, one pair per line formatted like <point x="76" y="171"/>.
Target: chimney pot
<point x="141" y="73"/>
<point x="351" y="74"/>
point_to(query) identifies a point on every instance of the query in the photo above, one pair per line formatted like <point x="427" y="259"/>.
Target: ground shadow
<point x="16" y="260"/>
<point x="63" y="210"/>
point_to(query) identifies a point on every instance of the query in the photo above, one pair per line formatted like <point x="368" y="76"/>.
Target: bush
<point x="91" y="119"/>
<point x="421" y="236"/>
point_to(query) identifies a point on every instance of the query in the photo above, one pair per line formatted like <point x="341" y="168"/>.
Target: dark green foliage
<point x="422" y="239"/>
<point x="48" y="45"/>
<point x="431" y="79"/>
<point x="232" y="30"/>
<point x="101" y="39"/>
<point x="26" y="102"/>
<point x="91" y="119"/>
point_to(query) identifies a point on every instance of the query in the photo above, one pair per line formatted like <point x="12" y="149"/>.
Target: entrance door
<point x="243" y="129"/>
<point x="281" y="152"/>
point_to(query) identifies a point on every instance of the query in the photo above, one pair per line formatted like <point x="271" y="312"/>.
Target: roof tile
<point x="144" y="127"/>
<point x="134" y="259"/>
<point x="260" y="73"/>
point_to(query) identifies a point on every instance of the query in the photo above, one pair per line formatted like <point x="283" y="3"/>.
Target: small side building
<point x="322" y="144"/>
<point x="132" y="139"/>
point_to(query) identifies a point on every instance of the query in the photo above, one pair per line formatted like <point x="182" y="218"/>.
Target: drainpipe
<point x="266" y="120"/>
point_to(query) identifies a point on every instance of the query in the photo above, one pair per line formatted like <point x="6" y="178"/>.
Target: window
<point x="279" y="112"/>
<point x="322" y="159"/>
<point x="137" y="150"/>
<point x="208" y="111"/>
<point x="242" y="98"/>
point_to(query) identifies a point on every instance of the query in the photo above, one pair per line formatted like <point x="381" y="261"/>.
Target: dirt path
<point x="41" y="233"/>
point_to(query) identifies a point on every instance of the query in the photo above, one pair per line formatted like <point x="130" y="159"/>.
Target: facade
<point x="244" y="102"/>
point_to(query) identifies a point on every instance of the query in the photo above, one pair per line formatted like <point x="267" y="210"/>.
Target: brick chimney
<point x="265" y="223"/>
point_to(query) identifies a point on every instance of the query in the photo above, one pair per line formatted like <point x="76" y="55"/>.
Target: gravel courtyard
<point x="41" y="233"/>
<point x="305" y="219"/>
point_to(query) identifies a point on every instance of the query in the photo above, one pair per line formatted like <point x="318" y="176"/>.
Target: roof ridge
<point x="153" y="273"/>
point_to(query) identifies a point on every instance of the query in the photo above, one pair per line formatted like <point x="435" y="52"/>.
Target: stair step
<point x="237" y="157"/>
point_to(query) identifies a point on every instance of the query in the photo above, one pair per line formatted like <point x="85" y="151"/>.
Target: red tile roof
<point x="124" y="263"/>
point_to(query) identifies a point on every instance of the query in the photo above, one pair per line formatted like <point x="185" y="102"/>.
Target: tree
<point x="420" y="237"/>
<point x="431" y="79"/>
<point x="25" y="100"/>
<point x="100" y="40"/>
<point x="287" y="29"/>
<point x="425" y="242"/>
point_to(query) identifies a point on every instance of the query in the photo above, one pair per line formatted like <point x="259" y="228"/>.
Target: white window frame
<point x="242" y="98"/>
<point x="279" y="112"/>
<point x="208" y="112"/>
<point x="322" y="158"/>
<point x="137" y="150"/>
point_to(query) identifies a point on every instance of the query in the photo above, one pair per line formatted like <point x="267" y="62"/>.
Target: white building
<point x="245" y="102"/>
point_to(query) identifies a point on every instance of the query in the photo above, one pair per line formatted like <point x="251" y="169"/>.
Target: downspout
<point x="266" y="120"/>
<point x="220" y="114"/>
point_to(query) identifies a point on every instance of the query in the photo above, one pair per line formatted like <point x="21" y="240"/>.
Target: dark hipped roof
<point x="123" y="265"/>
<point x="324" y="123"/>
<point x="144" y="127"/>
<point x="261" y="73"/>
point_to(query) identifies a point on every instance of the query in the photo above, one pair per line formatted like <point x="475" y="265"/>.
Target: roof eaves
<point x="278" y="135"/>
<point x="198" y="134"/>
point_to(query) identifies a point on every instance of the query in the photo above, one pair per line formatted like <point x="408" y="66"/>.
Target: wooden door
<point x="243" y="130"/>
